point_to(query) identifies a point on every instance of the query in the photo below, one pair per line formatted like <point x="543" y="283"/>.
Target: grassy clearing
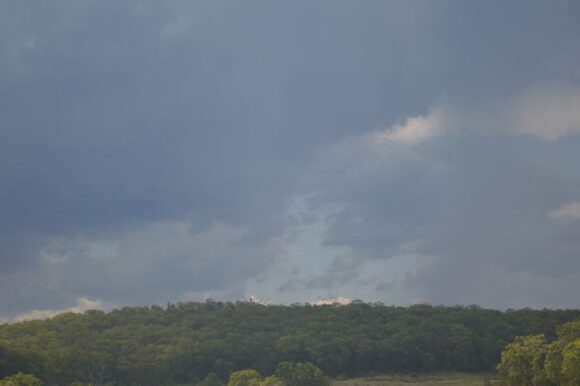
<point x="439" y="379"/>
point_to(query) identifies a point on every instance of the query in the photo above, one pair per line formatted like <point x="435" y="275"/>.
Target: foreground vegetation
<point x="534" y="361"/>
<point x="194" y="343"/>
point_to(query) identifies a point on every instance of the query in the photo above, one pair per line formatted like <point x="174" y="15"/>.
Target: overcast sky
<point x="294" y="151"/>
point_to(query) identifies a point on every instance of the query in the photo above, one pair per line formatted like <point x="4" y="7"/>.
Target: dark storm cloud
<point x="147" y="118"/>
<point x="479" y="208"/>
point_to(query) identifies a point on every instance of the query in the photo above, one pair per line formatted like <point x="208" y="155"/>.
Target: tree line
<point x="185" y="343"/>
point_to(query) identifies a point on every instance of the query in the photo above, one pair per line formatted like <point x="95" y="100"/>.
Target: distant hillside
<point x="183" y="343"/>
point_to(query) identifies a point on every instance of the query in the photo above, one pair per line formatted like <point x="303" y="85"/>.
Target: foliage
<point x="21" y="379"/>
<point x="182" y="344"/>
<point x="570" y="370"/>
<point x="211" y="380"/>
<point x="301" y="374"/>
<point x="248" y="377"/>
<point x="533" y="361"/>
<point x="272" y="380"/>
<point x="522" y="362"/>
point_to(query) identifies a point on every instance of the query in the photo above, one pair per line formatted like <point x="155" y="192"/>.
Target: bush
<point x="248" y="377"/>
<point x="301" y="374"/>
<point x="21" y="379"/>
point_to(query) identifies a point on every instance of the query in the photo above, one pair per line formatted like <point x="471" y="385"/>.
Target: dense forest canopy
<point x="184" y="343"/>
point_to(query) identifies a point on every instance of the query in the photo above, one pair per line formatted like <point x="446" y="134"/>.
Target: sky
<point x="288" y="151"/>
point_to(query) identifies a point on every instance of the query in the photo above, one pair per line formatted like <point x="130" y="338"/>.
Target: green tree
<point x="272" y="380"/>
<point x="295" y="346"/>
<point x="570" y="371"/>
<point x="211" y="380"/>
<point x="248" y="377"/>
<point x="522" y="362"/>
<point x="301" y="374"/>
<point x="553" y="363"/>
<point x="21" y="379"/>
<point x="532" y="361"/>
<point x="569" y="332"/>
<point x="184" y="342"/>
<point x="462" y="343"/>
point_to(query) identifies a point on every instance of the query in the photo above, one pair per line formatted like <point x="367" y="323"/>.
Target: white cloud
<point x="83" y="304"/>
<point x="339" y="300"/>
<point x="569" y="211"/>
<point x="418" y="129"/>
<point x="254" y="299"/>
<point x="545" y="111"/>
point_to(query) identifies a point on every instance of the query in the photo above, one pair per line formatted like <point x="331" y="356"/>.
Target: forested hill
<point x="183" y="343"/>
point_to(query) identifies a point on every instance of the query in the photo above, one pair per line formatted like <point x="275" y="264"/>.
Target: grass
<point x="437" y="379"/>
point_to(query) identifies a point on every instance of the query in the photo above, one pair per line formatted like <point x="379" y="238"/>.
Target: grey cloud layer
<point x="480" y="208"/>
<point x="150" y="118"/>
